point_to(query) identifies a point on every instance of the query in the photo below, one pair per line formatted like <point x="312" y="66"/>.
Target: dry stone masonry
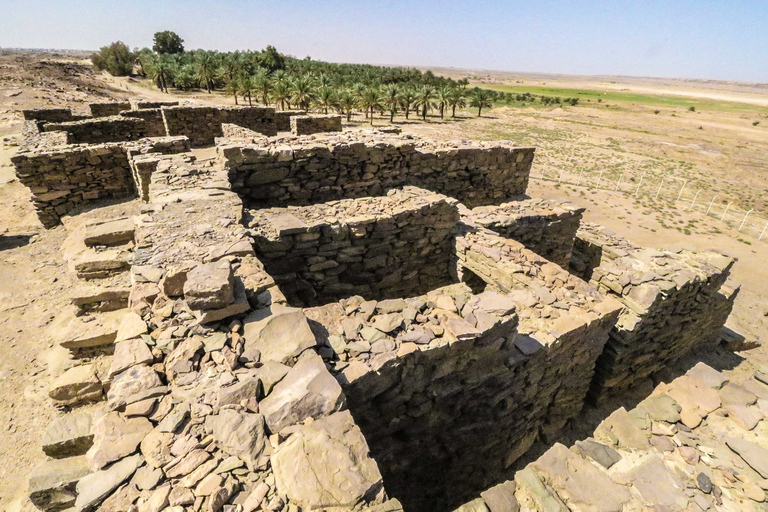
<point x="383" y="247"/>
<point x="321" y="323"/>
<point x="100" y="130"/>
<point x="283" y="118"/>
<point x="111" y="108"/>
<point x="307" y="125"/>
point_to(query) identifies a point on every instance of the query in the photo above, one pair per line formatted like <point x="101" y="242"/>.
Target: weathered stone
<point x="209" y="484"/>
<point x="733" y="394"/>
<point x="238" y="434"/>
<point x="188" y="464"/>
<point x="661" y="407"/>
<point x="501" y="498"/>
<point x="156" y="448"/>
<point x="279" y="333"/>
<point x="533" y="492"/>
<point x="696" y="399"/>
<point x="604" y="455"/>
<point x="93" y="488"/>
<point x="746" y="417"/>
<point x="133" y="385"/>
<point x="112" y="232"/>
<point x="77" y="385"/>
<point x="210" y="286"/>
<point x="658" y="485"/>
<point x="326" y="464"/>
<point x="181" y="496"/>
<point x="753" y="454"/>
<point x="476" y="505"/>
<point x="130" y="353"/>
<point x="131" y="326"/>
<point x="115" y="436"/>
<point x="619" y="426"/>
<point x="120" y="500"/>
<point x="184" y="357"/>
<point x="307" y="391"/>
<point x="158" y="500"/>
<point x="52" y="484"/>
<point x="68" y="435"/>
<point x="147" y="477"/>
<point x="708" y="375"/>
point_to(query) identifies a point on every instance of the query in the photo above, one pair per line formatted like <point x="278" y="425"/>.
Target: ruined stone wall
<point x="307" y="125"/>
<point x="153" y="120"/>
<point x="233" y="131"/>
<point x="108" y="109"/>
<point x="35" y="140"/>
<point x="203" y="124"/>
<point x="674" y="303"/>
<point x="594" y="244"/>
<point x="64" y="179"/>
<point x="283" y="118"/>
<point x="143" y="104"/>
<point x="48" y="115"/>
<point x="547" y="228"/>
<point x="382" y="247"/>
<point x="348" y="165"/>
<point x="101" y="130"/>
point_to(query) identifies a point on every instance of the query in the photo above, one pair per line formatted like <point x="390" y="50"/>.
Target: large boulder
<point x="326" y="464"/>
<point x="210" y="286"/>
<point x="307" y="391"/>
<point x="279" y="333"/>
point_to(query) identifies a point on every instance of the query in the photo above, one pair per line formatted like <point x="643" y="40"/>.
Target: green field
<point x="618" y="97"/>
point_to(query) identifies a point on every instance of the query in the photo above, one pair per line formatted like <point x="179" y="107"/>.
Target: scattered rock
<point x="68" y="435"/>
<point x="93" y="488"/>
<point x="52" y="484"/>
<point x="279" y="333"/>
<point x="238" y="434"/>
<point x="76" y="386"/>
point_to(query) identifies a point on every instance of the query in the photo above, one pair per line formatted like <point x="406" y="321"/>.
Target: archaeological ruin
<point x="306" y="318"/>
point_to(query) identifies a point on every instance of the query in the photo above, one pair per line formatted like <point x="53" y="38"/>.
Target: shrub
<point x="116" y="59"/>
<point x="691" y="109"/>
<point x="656" y="112"/>
<point x="168" y="42"/>
<point x="755" y="123"/>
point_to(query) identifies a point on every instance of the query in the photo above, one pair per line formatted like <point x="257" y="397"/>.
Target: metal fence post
<point x="726" y="210"/>
<point x="638" y="185"/>
<point x="710" y="204"/>
<point x="599" y="179"/>
<point x="694" y="199"/>
<point x="745" y="219"/>
<point x="685" y="182"/>
<point x="659" y="191"/>
<point x="579" y="180"/>
<point x="618" y="182"/>
<point x="761" y="234"/>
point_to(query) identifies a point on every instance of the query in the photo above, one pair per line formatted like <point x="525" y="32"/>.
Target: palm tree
<point x="302" y="91"/>
<point x="263" y="85"/>
<point x="185" y="78"/>
<point x="371" y="100"/>
<point x="160" y="69"/>
<point x="456" y="99"/>
<point x="247" y="88"/>
<point x="391" y="99"/>
<point x="443" y="96"/>
<point x="206" y="66"/>
<point x="347" y="100"/>
<point x="480" y="98"/>
<point x="325" y="98"/>
<point x="281" y="92"/>
<point x="424" y="97"/>
<point x="233" y="88"/>
<point x="407" y="100"/>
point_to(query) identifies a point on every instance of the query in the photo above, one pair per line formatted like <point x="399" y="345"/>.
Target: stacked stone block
<point x="382" y="247"/>
<point x="548" y="228"/>
<point x="283" y="118"/>
<point x="674" y="303"/>
<point x="143" y="104"/>
<point x="35" y="140"/>
<point x="153" y="120"/>
<point x="64" y="179"/>
<point x="594" y="245"/>
<point x="108" y="109"/>
<point x="233" y="131"/>
<point x="307" y="125"/>
<point x="318" y="169"/>
<point x="203" y="124"/>
<point x="100" y="130"/>
<point x="48" y="115"/>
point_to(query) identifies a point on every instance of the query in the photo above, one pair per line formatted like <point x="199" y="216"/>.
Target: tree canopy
<point x="168" y="42"/>
<point x="117" y="59"/>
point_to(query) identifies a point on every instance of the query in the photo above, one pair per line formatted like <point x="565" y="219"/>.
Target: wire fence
<point x="685" y="193"/>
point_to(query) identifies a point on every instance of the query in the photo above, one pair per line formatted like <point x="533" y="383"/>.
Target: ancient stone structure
<point x="322" y="323"/>
<point x="283" y="118"/>
<point x="307" y="125"/>
<point x="49" y="115"/>
<point x="545" y="227"/>
<point x="100" y="130"/>
<point x="143" y="104"/>
<point x="111" y="108"/>
<point x="203" y="124"/>
<point x="662" y="452"/>
<point x="395" y="246"/>
<point x="154" y="126"/>
<point x="325" y="168"/>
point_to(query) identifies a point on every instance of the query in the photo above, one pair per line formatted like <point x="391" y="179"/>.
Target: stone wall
<point x="593" y="245"/>
<point x="233" y="131"/>
<point x="677" y="450"/>
<point x="35" y="140"/>
<point x="674" y="303"/>
<point x="449" y="380"/>
<point x="108" y="109"/>
<point x="203" y="124"/>
<point x="548" y="228"/>
<point x="382" y="247"/>
<point x="67" y="178"/>
<point x="143" y="104"/>
<point x="153" y="120"/>
<point x="283" y="118"/>
<point x="317" y="169"/>
<point x="307" y="125"/>
<point x="101" y="130"/>
<point x="48" y="115"/>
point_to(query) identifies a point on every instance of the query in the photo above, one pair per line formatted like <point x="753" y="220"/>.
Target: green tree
<point x="168" y="42"/>
<point x="443" y="98"/>
<point x="371" y="100"/>
<point x="480" y="99"/>
<point x="233" y="88"/>
<point x="272" y="60"/>
<point x="425" y="99"/>
<point x="247" y="88"/>
<point x="391" y="93"/>
<point x="302" y="91"/>
<point x="325" y="98"/>
<point x="161" y="70"/>
<point x="347" y="101"/>
<point x="116" y="59"/>
<point x="407" y="100"/>
<point x="206" y="66"/>
<point x="281" y="93"/>
<point x="263" y="85"/>
<point x="456" y="99"/>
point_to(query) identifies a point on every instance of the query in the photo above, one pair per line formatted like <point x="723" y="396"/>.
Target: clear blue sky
<point x="721" y="39"/>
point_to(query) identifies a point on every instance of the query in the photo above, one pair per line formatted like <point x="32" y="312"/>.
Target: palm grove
<point x="271" y="78"/>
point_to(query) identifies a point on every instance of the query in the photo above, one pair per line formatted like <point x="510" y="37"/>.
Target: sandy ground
<point x="725" y="156"/>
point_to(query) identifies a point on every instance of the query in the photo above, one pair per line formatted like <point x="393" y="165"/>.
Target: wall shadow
<point x="13" y="241"/>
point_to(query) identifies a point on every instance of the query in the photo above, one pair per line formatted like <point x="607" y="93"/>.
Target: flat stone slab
<point x="93" y="488"/>
<point x="95" y="330"/>
<point x="68" y="436"/>
<point x="753" y="454"/>
<point x="112" y="232"/>
<point x="279" y="333"/>
<point x="77" y="385"/>
<point x="326" y="464"/>
<point x="52" y="484"/>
